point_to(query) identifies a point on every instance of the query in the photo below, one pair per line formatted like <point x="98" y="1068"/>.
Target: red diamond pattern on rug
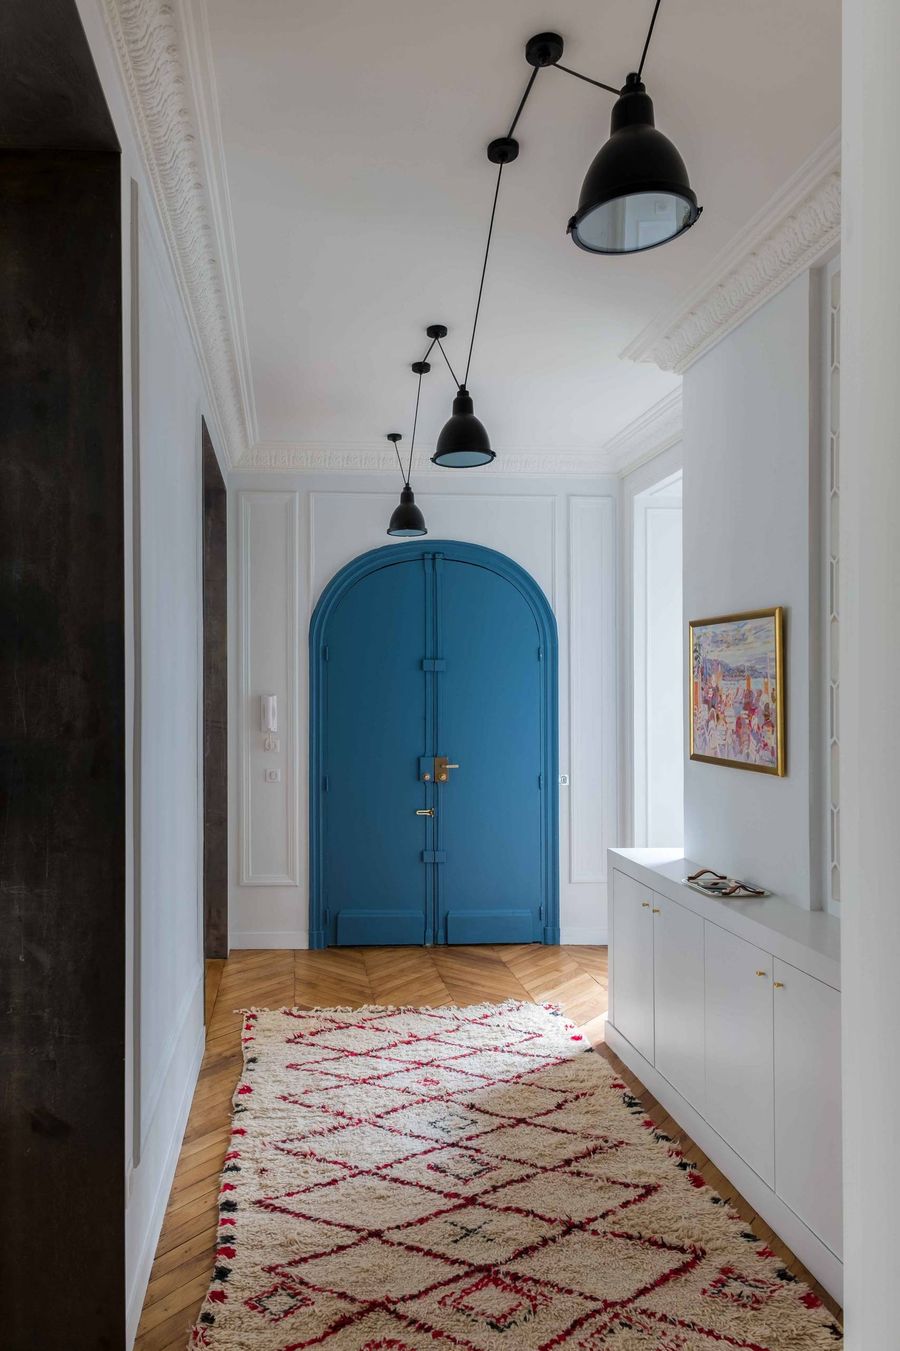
<point x="470" y="1180"/>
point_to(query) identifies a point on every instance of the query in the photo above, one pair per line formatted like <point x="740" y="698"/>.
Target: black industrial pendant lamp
<point x="636" y="195"/>
<point x="407" y="519"/>
<point x="463" y="442"/>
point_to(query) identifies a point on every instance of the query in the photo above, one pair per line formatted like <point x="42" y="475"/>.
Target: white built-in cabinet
<point x="679" y="999"/>
<point x="808" y="1100"/>
<point x="740" y="1090"/>
<point x="741" y="1045"/>
<point x="633" y="920"/>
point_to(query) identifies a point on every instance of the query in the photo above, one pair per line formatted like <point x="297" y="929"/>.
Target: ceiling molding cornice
<point x="796" y="229"/>
<point x="649" y="434"/>
<point x="158" y="53"/>
<point x="284" y="457"/>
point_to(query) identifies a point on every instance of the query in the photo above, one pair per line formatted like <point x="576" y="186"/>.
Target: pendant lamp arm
<point x="587" y="78"/>
<point x="640" y="68"/>
<point x="524" y="99"/>
<point x="412" y="441"/>
<point x="453" y="375"/>
<point x="599" y="84"/>
<point x="487" y="251"/>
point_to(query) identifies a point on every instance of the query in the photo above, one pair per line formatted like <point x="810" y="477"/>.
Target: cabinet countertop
<point x="807" y="939"/>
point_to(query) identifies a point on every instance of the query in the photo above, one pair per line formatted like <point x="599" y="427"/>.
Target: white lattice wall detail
<point x="833" y="561"/>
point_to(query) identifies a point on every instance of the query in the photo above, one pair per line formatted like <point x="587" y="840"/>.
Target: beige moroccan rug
<point x="469" y="1180"/>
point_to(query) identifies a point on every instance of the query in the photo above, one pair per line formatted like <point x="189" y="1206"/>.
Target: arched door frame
<point x="455" y="551"/>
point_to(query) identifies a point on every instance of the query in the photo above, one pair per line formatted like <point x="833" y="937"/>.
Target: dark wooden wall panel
<point x="215" y="705"/>
<point x="62" y="742"/>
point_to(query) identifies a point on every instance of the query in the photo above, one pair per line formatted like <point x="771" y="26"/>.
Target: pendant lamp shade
<point x="463" y="442"/>
<point x="636" y="194"/>
<point x="407" y="519"/>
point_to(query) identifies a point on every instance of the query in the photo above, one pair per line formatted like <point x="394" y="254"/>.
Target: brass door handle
<point x="645" y="905"/>
<point x="424" y="811"/>
<point x="449" y="766"/>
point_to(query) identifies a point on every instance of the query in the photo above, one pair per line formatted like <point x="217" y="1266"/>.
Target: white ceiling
<point x="354" y="133"/>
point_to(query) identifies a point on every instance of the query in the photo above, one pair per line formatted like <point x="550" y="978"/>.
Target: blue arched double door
<point x="433" y="751"/>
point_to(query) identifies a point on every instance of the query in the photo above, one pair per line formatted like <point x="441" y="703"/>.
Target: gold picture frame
<point x="736" y="704"/>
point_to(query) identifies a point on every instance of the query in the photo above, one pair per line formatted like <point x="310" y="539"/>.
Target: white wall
<point x="870" y="659"/>
<point x="163" y="404"/>
<point x="750" y="476"/>
<point x="291" y="534"/>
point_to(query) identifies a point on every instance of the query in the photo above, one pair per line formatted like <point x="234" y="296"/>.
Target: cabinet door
<point x="739" y="1062"/>
<point x="679" y="998"/>
<point x="632" y="962"/>
<point x="808" y="1101"/>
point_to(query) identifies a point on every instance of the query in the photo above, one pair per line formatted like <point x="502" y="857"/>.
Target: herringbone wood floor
<point x="573" y="977"/>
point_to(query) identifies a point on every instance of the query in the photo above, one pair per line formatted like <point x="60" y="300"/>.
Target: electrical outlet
<point x="273" y="776"/>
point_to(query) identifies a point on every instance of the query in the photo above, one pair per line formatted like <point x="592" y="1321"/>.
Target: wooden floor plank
<point x="573" y="977"/>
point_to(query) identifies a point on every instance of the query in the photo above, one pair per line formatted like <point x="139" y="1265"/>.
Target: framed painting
<point x="736" y="715"/>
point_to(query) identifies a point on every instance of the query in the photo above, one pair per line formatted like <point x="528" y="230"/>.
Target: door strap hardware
<point x="441" y="767"/>
<point x="424" y="811"/>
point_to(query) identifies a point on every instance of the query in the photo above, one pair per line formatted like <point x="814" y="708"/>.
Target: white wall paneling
<point x="269" y="639"/>
<point x="828" y="809"/>
<point x="341" y="515"/>
<point x="592" y="794"/>
<point x="166" y="985"/>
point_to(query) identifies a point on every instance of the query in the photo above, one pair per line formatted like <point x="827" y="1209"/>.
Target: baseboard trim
<point x="819" y="1259"/>
<point x="144" y="1262"/>
<point x="584" y="935"/>
<point x="270" y="938"/>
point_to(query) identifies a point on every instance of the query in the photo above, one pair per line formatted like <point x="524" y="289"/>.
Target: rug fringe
<point x="551" y="1008"/>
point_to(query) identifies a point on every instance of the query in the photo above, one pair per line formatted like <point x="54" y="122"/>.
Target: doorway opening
<point x="433" y="751"/>
<point x="215" y="705"/>
<point x="658" y="667"/>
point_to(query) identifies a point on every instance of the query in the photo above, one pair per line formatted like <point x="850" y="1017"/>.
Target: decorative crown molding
<point x="153" y="52"/>
<point x="794" y="231"/>
<point x="284" y="457"/>
<point x="649" y="434"/>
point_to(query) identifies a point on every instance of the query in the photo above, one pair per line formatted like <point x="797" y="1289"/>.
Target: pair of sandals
<point x="720" y="885"/>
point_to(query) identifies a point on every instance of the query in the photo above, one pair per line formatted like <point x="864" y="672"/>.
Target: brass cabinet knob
<point x="656" y="910"/>
<point x="645" y="904"/>
<point x="762" y="973"/>
<point x="778" y="984"/>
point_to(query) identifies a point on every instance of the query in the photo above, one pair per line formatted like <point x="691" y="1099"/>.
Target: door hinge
<point x="541" y="782"/>
<point x="433" y="664"/>
<point x="540" y="912"/>
<point x="540" y="654"/>
<point x="326" y="918"/>
<point x="434" y="856"/>
<point x="325" y="783"/>
<point x="325" y="653"/>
